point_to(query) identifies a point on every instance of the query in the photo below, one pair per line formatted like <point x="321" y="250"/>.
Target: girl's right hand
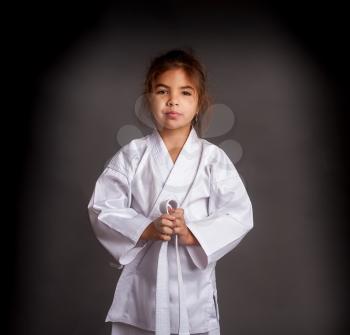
<point x="159" y="229"/>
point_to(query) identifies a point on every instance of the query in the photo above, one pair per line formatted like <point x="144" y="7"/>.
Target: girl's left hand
<point x="180" y="228"/>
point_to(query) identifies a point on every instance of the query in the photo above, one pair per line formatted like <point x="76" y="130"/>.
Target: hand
<point x="180" y="228"/>
<point x="159" y="229"/>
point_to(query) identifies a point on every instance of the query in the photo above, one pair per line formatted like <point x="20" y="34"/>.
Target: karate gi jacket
<point x="165" y="286"/>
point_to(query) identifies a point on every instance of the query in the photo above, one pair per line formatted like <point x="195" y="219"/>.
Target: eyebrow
<point x="182" y="87"/>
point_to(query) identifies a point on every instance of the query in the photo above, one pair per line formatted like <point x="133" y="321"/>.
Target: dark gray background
<point x="280" y="69"/>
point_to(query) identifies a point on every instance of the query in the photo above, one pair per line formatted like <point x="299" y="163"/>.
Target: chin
<point x="172" y="124"/>
<point x="170" y="127"/>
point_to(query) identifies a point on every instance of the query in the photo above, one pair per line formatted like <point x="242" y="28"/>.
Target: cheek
<point x="191" y="106"/>
<point x="156" y="104"/>
<point x="158" y="101"/>
<point x="192" y="101"/>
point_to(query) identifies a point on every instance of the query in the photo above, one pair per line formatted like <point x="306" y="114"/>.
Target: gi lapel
<point x="179" y="176"/>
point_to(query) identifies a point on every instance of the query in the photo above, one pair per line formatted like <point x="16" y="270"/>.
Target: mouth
<point x="173" y="113"/>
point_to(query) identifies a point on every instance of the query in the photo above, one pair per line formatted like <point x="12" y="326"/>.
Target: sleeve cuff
<point x="197" y="252"/>
<point x="132" y="253"/>
<point x="132" y="229"/>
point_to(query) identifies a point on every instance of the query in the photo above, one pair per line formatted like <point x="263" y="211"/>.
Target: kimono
<point x="165" y="287"/>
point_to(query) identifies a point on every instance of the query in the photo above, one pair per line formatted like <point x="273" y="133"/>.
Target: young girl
<point x="168" y="206"/>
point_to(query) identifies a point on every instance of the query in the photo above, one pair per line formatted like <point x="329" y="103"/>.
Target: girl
<point x="168" y="206"/>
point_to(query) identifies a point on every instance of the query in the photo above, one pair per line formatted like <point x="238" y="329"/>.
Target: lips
<point x="172" y="113"/>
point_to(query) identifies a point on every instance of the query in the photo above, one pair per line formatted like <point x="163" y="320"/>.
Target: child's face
<point x="173" y="91"/>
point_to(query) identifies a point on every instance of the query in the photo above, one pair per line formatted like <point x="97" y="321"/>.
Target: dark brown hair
<point x="185" y="59"/>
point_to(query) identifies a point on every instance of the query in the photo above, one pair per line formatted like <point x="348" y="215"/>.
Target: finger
<point x="179" y="230"/>
<point x="179" y="212"/>
<point x="165" y="237"/>
<point x="167" y="231"/>
<point x="168" y="216"/>
<point x="176" y="214"/>
<point x="166" y="223"/>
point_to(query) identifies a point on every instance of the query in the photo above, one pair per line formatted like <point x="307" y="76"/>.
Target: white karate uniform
<point x="165" y="287"/>
<point x="125" y="329"/>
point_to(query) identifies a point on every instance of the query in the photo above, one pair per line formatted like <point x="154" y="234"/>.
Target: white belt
<point x="162" y="288"/>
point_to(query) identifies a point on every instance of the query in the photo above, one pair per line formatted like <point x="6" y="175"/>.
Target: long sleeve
<point x="117" y="226"/>
<point x="230" y="216"/>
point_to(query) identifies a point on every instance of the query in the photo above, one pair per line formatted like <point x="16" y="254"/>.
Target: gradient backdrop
<point x="277" y="72"/>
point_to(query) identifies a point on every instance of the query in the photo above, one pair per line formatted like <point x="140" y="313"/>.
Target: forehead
<point x="175" y="77"/>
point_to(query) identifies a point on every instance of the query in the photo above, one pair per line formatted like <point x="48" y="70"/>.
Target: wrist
<point x="147" y="233"/>
<point x="191" y="239"/>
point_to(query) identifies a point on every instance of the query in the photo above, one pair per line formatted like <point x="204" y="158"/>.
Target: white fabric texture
<point x="130" y="193"/>
<point x="125" y="329"/>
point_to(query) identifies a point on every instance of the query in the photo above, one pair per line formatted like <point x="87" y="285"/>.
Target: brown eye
<point x="187" y="93"/>
<point x="161" y="91"/>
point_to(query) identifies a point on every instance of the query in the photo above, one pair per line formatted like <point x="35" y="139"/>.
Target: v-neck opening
<point x="173" y="177"/>
<point x="169" y="158"/>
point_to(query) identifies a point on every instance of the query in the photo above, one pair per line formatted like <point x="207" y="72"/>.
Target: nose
<point x="170" y="103"/>
<point x="172" y="100"/>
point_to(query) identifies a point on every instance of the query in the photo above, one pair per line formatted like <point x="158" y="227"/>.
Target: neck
<point x="175" y="138"/>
